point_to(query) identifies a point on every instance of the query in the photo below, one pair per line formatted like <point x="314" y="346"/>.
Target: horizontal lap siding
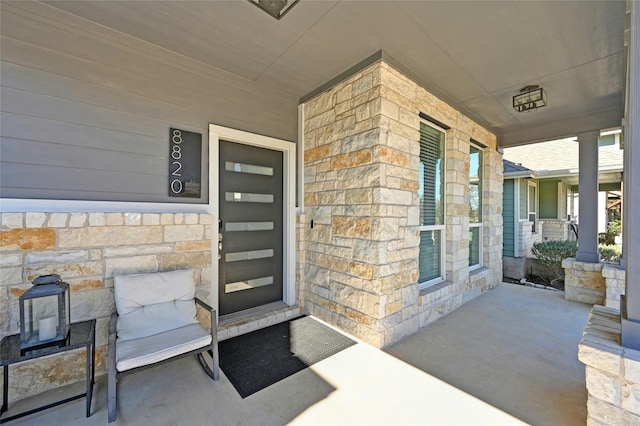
<point x="508" y="218"/>
<point x="86" y="111"/>
<point x="548" y="199"/>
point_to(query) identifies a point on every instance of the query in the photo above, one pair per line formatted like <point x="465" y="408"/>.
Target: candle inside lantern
<point x="47" y="328"/>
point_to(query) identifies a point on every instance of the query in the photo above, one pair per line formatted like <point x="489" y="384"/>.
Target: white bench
<point x="155" y="321"/>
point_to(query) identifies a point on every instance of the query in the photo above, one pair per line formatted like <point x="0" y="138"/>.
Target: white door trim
<point x="288" y="150"/>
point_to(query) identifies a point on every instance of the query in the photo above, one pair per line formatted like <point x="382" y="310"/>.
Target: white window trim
<point x="529" y="212"/>
<point x="481" y="223"/>
<point x="560" y="209"/>
<point x="480" y="263"/>
<point x="441" y="228"/>
<point x="516" y="218"/>
<point x="443" y="261"/>
<point x="300" y="160"/>
<point x="25" y="205"/>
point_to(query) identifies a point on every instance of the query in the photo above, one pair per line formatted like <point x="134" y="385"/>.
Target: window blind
<point x="431" y="159"/>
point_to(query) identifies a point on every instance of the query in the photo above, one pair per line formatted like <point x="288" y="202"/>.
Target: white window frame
<point x="533" y="184"/>
<point x="441" y="228"/>
<point x="560" y="210"/>
<point x="480" y="224"/>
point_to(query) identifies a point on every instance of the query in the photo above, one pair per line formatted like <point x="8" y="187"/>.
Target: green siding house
<point x="541" y="195"/>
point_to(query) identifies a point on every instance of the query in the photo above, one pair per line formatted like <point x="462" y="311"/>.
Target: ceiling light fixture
<point x="530" y="98"/>
<point x="275" y="8"/>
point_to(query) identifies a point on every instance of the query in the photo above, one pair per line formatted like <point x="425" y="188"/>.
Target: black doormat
<point x="261" y="358"/>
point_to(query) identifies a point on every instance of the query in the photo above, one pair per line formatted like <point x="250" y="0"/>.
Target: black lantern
<point x="530" y="98"/>
<point x="44" y="313"/>
<point x="275" y="8"/>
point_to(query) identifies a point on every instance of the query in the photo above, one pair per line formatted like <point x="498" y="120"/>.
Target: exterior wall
<point x="361" y="159"/>
<point x="508" y="213"/>
<point x="583" y="282"/>
<point x="86" y="110"/>
<point x="526" y="238"/>
<point x="87" y="250"/>
<point x="548" y="197"/>
<point x="564" y="208"/>
<point x="612" y="371"/>
<point x="615" y="285"/>
<point x="514" y="267"/>
<point x="554" y="230"/>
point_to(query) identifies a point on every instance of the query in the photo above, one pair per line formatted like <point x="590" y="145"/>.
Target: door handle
<point x="219" y="246"/>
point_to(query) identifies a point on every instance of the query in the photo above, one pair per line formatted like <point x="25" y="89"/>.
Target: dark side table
<point x="81" y="335"/>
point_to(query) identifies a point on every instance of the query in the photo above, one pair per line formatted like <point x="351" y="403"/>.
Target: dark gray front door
<point x="251" y="214"/>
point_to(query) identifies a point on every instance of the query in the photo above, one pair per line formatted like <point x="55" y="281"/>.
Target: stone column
<point x="631" y="217"/>
<point x="588" y="188"/>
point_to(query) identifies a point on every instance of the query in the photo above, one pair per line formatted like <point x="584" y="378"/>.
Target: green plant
<point x="615" y="227"/>
<point x="550" y="255"/>
<point x="607" y="238"/>
<point x="610" y="253"/>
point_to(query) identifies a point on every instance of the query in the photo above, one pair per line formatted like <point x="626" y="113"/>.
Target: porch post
<point x="588" y="189"/>
<point x="631" y="197"/>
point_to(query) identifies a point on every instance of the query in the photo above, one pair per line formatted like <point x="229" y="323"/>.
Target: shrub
<point x="550" y="254"/>
<point x="615" y="227"/>
<point x="607" y="238"/>
<point x="610" y="253"/>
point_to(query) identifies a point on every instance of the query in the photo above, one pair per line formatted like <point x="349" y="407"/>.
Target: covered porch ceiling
<point x="474" y="55"/>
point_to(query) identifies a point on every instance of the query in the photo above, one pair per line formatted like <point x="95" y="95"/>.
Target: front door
<point x="250" y="227"/>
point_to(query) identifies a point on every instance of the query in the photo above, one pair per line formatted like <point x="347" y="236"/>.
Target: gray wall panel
<point x="70" y="111"/>
<point x="86" y="111"/>
<point x="18" y="126"/>
<point x="56" y="178"/>
<point x="53" y="154"/>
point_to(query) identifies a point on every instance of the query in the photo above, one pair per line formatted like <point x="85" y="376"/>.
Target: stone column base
<point x="583" y="282"/>
<point x="612" y="371"/>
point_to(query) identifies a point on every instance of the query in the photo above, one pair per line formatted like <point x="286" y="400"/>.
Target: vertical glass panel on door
<point x="247" y="197"/>
<point x="248" y="284"/>
<point x="248" y="226"/>
<point x="249" y="255"/>
<point x="231" y="166"/>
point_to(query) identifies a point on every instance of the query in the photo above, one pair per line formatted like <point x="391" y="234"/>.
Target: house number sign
<point x="185" y="163"/>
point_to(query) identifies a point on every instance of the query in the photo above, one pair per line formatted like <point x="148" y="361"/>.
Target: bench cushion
<point x="148" y="350"/>
<point x="149" y="304"/>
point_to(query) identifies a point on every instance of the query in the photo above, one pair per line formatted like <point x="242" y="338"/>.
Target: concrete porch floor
<point x="507" y="357"/>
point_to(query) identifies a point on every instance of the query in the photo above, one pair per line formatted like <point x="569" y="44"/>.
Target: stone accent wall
<point x="87" y="250"/>
<point x="555" y="229"/>
<point x="612" y="371"/>
<point x="361" y="164"/>
<point x="526" y="238"/>
<point x="583" y="281"/>
<point x="615" y="284"/>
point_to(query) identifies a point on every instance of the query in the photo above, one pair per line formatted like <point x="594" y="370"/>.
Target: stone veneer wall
<point x="526" y="238"/>
<point x="583" y="281"/>
<point x="555" y="229"/>
<point x="615" y="284"/>
<point x="87" y="250"/>
<point x="361" y="161"/>
<point x="612" y="371"/>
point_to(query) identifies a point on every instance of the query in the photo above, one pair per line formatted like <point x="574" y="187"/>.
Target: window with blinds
<point x="432" y="203"/>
